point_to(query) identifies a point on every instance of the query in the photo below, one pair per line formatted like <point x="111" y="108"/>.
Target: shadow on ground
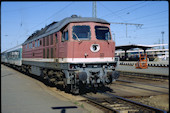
<point x="64" y="108"/>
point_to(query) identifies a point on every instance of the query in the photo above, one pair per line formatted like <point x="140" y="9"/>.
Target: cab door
<point x="62" y="53"/>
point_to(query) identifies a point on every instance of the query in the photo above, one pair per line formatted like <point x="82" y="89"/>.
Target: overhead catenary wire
<point x="137" y="25"/>
<point x="24" y="8"/>
<point x="59" y="11"/>
<point x="20" y="26"/>
<point x="148" y="15"/>
<point x="133" y="10"/>
<point x="155" y="26"/>
<point x="122" y="9"/>
<point x="112" y="12"/>
<point x="158" y="19"/>
<point x="22" y="23"/>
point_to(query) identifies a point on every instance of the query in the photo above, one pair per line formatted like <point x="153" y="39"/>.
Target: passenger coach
<point x="13" y="57"/>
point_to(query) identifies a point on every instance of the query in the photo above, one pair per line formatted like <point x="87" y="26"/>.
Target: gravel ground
<point x="158" y="101"/>
<point x="154" y="99"/>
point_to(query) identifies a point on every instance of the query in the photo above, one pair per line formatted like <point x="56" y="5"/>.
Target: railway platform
<point x="23" y="94"/>
<point x="154" y="68"/>
<point x="150" y="63"/>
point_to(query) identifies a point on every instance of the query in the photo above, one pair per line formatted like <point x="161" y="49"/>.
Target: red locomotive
<point x="74" y="52"/>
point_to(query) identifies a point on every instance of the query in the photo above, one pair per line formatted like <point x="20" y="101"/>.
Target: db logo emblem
<point x="95" y="47"/>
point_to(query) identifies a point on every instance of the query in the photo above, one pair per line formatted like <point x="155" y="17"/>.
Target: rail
<point x="117" y="104"/>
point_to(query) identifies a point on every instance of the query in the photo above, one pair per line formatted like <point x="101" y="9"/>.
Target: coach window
<point x="81" y="32"/>
<point x="51" y="38"/>
<point x="65" y="36"/>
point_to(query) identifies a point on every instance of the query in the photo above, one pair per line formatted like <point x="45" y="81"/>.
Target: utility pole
<point x="159" y="43"/>
<point x="94" y="9"/>
<point x="163" y="39"/>
<point x="114" y="37"/>
<point x="137" y="25"/>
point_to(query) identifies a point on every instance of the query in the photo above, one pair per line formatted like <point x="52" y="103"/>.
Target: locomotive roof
<point x="56" y="26"/>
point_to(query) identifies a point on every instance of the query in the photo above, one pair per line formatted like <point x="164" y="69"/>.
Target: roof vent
<point x="74" y="16"/>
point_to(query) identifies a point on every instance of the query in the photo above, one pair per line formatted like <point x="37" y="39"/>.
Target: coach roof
<point x="56" y="26"/>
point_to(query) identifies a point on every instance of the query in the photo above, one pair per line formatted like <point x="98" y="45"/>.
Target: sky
<point x="143" y="22"/>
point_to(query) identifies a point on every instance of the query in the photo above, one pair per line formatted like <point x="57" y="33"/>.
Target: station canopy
<point x="127" y="47"/>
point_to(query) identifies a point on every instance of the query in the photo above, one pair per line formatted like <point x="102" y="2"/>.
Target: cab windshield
<point x="102" y="33"/>
<point x="81" y="32"/>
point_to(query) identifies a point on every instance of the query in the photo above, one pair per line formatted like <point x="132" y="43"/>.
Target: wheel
<point x="82" y="88"/>
<point x="67" y="88"/>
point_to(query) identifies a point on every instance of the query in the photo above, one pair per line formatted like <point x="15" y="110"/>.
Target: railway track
<point x="125" y="81"/>
<point x="117" y="104"/>
<point x="144" y="76"/>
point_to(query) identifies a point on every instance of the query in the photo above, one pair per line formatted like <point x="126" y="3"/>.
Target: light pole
<point x="162" y="39"/>
<point x="114" y="37"/>
<point x="94" y="9"/>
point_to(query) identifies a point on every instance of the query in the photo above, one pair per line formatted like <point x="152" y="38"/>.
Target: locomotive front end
<point x="95" y="74"/>
<point x="91" y="53"/>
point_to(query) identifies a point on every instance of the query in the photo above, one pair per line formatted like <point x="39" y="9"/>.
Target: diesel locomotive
<point x="75" y="52"/>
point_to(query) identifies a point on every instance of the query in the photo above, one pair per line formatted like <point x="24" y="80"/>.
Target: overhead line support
<point x="138" y="25"/>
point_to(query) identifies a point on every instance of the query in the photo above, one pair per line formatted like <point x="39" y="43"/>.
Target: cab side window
<point x="64" y="36"/>
<point x="56" y="38"/>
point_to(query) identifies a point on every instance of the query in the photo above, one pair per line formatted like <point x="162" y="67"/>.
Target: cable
<point x="112" y="12"/>
<point x="53" y="14"/>
<point x="35" y="6"/>
<point x="45" y="20"/>
<point x="137" y="8"/>
<point x="48" y="18"/>
<point x="148" y="15"/>
<point x="123" y="9"/>
<point x="154" y="26"/>
<point x="158" y="19"/>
